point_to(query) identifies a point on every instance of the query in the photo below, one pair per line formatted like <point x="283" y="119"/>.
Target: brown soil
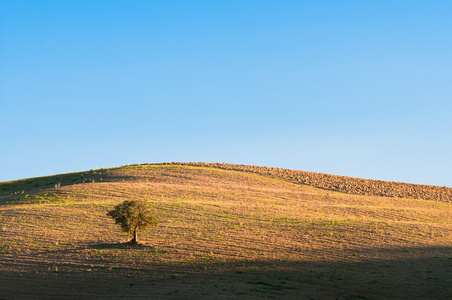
<point x="344" y="184"/>
<point x="223" y="234"/>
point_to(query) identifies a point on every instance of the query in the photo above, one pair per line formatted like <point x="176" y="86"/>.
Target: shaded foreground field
<point x="223" y="234"/>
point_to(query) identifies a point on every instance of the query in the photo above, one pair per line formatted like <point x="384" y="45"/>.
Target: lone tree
<point x="133" y="215"/>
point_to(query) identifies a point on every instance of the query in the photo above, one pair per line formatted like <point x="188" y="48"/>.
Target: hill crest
<point x="344" y="184"/>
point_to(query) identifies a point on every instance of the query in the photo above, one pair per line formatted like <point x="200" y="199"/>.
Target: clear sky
<point x="355" y="88"/>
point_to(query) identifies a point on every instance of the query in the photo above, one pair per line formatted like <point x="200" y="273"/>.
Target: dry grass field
<point x="222" y="234"/>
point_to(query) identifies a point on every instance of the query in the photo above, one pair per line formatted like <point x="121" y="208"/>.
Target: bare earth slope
<point x="223" y="234"/>
<point x="349" y="185"/>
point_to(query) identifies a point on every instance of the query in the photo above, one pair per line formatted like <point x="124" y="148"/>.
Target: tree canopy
<point x="134" y="215"/>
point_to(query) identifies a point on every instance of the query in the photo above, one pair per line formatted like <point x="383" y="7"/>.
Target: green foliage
<point x="133" y="215"/>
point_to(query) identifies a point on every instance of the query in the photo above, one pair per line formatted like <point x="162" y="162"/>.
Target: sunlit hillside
<point x="222" y="234"/>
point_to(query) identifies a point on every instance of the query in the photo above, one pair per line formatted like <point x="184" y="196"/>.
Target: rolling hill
<point x="226" y="231"/>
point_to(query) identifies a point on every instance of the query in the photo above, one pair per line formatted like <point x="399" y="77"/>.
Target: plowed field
<point x="222" y="234"/>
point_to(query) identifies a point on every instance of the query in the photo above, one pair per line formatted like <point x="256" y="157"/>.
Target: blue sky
<point x="355" y="88"/>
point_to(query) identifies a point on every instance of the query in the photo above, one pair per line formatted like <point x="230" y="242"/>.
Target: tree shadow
<point x="122" y="245"/>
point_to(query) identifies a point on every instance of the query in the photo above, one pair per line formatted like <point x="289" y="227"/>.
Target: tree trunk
<point x="135" y="236"/>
